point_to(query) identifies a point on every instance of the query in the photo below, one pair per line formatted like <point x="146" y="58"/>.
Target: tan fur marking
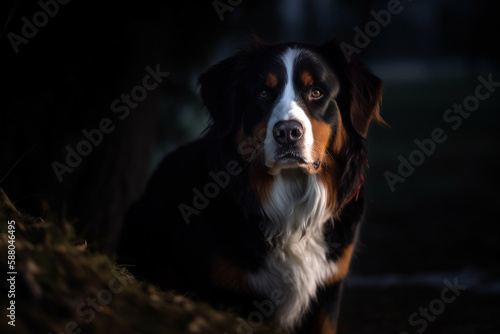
<point x="323" y="324"/>
<point x="329" y="176"/>
<point x="340" y="142"/>
<point x="248" y="146"/>
<point x="259" y="132"/>
<point x="328" y="171"/>
<point x="321" y="134"/>
<point x="343" y="264"/>
<point x="306" y="78"/>
<point x="271" y="80"/>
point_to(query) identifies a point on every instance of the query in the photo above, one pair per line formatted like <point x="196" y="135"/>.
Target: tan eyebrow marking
<point x="307" y="79"/>
<point x="271" y="80"/>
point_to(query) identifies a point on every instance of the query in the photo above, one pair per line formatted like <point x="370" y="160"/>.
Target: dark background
<point x="441" y="223"/>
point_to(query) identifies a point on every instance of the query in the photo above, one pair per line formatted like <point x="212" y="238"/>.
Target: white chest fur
<point x="296" y="212"/>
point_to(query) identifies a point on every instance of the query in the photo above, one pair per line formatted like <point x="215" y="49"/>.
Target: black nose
<point x="288" y="132"/>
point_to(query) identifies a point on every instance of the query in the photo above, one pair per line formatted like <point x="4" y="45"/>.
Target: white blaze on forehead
<point x="287" y="109"/>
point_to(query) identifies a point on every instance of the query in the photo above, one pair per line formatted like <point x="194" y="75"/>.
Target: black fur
<point x="173" y="252"/>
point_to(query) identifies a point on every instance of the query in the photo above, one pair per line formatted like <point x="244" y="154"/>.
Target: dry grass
<point x="61" y="287"/>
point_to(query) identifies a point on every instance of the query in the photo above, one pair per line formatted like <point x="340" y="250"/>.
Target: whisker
<point x="259" y="150"/>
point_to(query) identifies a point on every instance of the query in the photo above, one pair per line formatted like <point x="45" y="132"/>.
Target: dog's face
<point x="294" y="106"/>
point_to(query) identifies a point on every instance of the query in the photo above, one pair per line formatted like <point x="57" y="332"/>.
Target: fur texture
<point x="266" y="205"/>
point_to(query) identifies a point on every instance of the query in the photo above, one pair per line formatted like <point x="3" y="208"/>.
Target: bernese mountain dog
<point x="261" y="214"/>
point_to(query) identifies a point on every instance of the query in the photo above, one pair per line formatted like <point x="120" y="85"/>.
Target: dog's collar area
<point x="355" y="195"/>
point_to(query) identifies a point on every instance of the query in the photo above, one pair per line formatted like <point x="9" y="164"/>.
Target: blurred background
<point x="61" y="72"/>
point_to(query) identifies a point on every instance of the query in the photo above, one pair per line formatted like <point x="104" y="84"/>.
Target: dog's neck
<point x="295" y="214"/>
<point x="297" y="205"/>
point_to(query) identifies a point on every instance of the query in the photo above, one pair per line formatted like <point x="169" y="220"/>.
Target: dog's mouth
<point x="291" y="159"/>
<point x="291" y="156"/>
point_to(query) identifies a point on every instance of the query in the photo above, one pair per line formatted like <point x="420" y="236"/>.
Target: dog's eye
<point x="316" y="93"/>
<point x="264" y="94"/>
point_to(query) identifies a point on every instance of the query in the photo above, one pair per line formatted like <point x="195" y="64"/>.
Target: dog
<point x="262" y="212"/>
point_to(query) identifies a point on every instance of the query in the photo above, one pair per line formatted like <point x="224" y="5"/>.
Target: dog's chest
<point x="296" y="212"/>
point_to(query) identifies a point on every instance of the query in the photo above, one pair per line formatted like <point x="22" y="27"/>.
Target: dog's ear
<point x="361" y="88"/>
<point x="359" y="103"/>
<point x="220" y="89"/>
<point x="366" y="97"/>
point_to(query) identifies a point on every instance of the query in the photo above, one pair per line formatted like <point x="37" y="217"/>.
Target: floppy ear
<point x="362" y="89"/>
<point x="366" y="97"/>
<point x="220" y="89"/>
<point x="359" y="102"/>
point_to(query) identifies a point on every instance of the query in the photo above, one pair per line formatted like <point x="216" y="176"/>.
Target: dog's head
<point x="295" y="106"/>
